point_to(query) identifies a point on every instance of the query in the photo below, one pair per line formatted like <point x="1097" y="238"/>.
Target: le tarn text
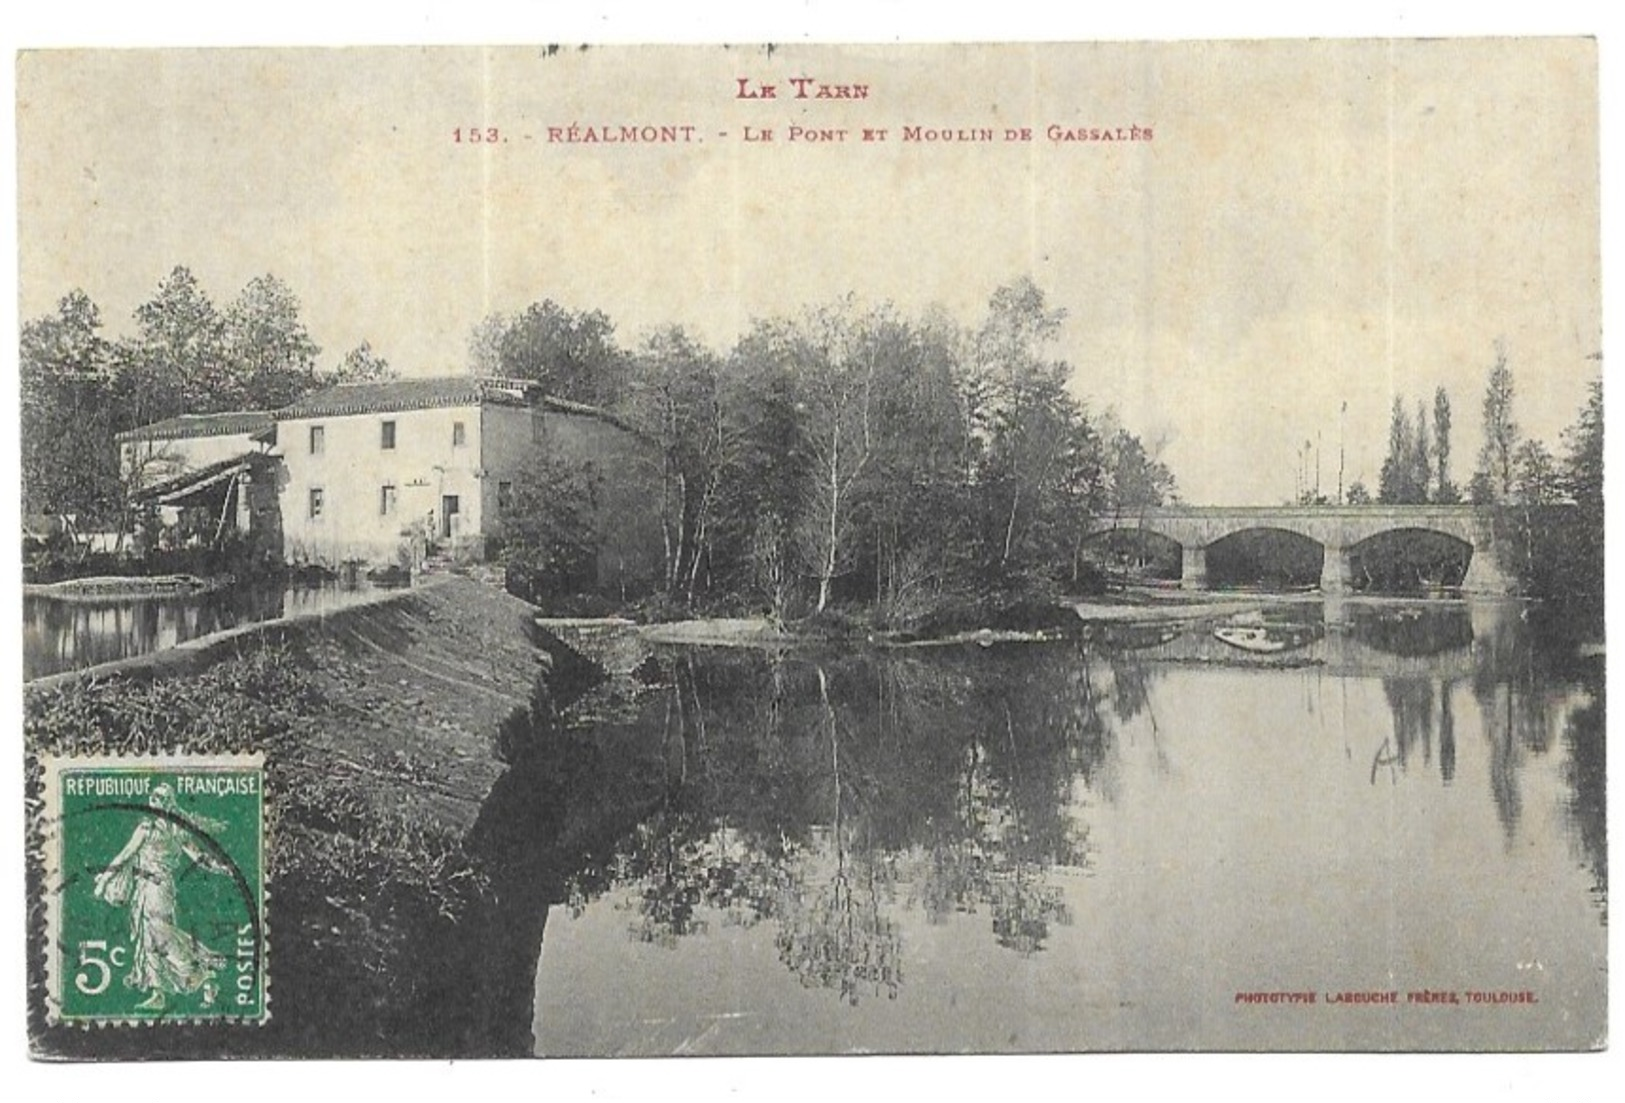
<point x="798" y="88"/>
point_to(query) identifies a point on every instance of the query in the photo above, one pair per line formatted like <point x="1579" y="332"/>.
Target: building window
<point x="318" y="440"/>
<point x="386" y="500"/>
<point x="389" y="435"/>
<point x="316" y="503"/>
<point x="504" y="496"/>
<point x="459" y="436"/>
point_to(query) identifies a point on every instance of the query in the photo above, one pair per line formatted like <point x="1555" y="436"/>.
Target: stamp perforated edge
<point x="52" y="767"/>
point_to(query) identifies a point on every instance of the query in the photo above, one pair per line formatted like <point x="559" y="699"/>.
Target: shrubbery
<point x="237" y="555"/>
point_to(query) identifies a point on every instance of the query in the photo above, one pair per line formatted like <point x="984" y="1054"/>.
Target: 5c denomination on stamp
<point x="155" y="889"/>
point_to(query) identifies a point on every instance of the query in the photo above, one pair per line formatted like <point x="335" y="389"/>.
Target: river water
<point x="72" y="633"/>
<point x="1137" y="840"/>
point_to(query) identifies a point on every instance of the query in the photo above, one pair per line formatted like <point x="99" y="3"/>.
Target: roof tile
<point x="411" y="394"/>
<point x="229" y="423"/>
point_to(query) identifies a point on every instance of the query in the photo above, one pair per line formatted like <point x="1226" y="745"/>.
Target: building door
<point x="448" y="510"/>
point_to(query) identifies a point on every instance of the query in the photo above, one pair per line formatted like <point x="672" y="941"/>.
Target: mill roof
<point x="411" y="394"/>
<point x="229" y="423"/>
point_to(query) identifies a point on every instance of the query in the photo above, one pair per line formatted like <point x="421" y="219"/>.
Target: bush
<point x="237" y="555"/>
<point x="834" y="624"/>
<point x="241" y="704"/>
<point x="550" y="543"/>
<point x="1020" y="608"/>
<point x="661" y="608"/>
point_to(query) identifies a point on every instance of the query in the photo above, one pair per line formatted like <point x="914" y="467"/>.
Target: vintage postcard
<point x="812" y="549"/>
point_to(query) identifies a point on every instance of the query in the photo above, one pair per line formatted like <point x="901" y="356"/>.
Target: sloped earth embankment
<point x="383" y="728"/>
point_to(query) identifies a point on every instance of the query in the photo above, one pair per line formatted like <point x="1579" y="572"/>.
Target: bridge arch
<point x="1278" y="557"/>
<point x="1412" y="558"/>
<point x="1338" y="529"/>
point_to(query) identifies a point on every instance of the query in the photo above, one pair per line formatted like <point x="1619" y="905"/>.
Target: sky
<point x="1312" y="224"/>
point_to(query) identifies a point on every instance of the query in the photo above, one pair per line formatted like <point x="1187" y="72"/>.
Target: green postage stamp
<point x="155" y="889"/>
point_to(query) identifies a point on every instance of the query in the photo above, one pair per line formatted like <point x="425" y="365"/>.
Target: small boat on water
<point x="1251" y="638"/>
<point x="1261" y="639"/>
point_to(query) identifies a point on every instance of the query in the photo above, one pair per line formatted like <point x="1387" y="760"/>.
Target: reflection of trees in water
<point x="1586" y="774"/>
<point x="834" y="933"/>
<point x="1516" y="703"/>
<point x="806" y="792"/>
<point x="1515" y="714"/>
<point x="1447" y="735"/>
<point x="989" y="858"/>
<point x="1410" y="700"/>
<point x="693" y="870"/>
<point x="1524" y="684"/>
<point x="1024" y="906"/>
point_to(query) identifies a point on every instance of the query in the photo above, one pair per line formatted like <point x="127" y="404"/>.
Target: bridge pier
<point x="1485" y="576"/>
<point x="1335" y="528"/>
<point x="1193" y="568"/>
<point x="1336" y="570"/>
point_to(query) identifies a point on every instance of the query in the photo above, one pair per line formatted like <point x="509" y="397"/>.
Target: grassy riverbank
<point x="380" y="727"/>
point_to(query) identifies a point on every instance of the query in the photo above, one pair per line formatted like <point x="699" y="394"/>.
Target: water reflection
<point x="74" y="633"/>
<point x="1055" y="833"/>
<point x="1584" y="772"/>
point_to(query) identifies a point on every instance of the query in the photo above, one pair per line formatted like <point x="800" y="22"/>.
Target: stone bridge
<point x="1339" y="530"/>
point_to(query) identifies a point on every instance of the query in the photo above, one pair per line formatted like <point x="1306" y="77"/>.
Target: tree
<point x="837" y="351"/>
<point x="1533" y="544"/>
<point x="1421" y="457"/>
<point x="69" y="463"/>
<point x="1536" y="481"/>
<point x="1446" y="491"/>
<point x="1397" y="482"/>
<point x="1029" y="417"/>
<point x="1358" y="495"/>
<point x="676" y="398"/>
<point x="915" y="515"/>
<point x="572" y="354"/>
<point x="361" y="365"/>
<point x="270" y="357"/>
<point x="1136" y="480"/>
<point x="485" y="345"/>
<point x="550" y="536"/>
<point x="1583" y="446"/>
<point x="1551" y="533"/>
<point x="759" y="506"/>
<point x="1581" y="480"/>
<point x="176" y="362"/>
<point x="1495" y="479"/>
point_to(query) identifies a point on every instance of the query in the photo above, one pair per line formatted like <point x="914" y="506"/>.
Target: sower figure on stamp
<point x="164" y="960"/>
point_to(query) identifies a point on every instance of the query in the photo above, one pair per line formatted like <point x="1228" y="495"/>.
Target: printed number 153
<point x="476" y="134"/>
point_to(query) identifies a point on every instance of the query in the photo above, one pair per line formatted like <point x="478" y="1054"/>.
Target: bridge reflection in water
<point x="1354" y="637"/>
